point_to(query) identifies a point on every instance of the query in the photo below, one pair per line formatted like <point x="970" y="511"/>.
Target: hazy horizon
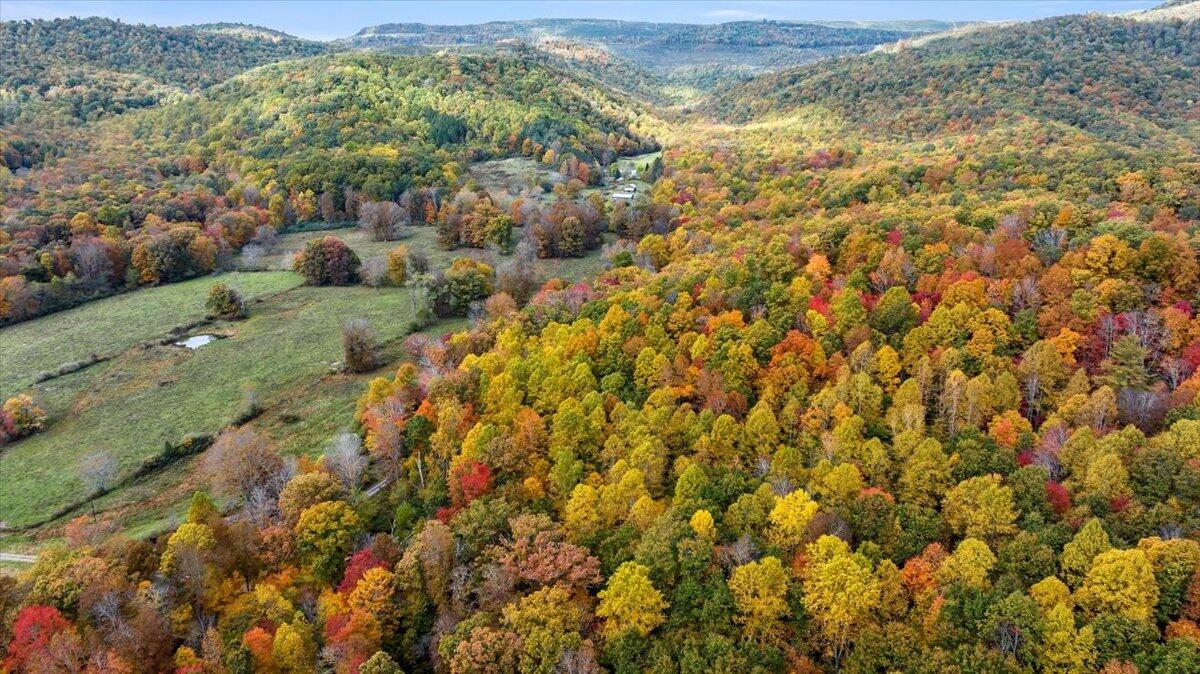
<point x="331" y="20"/>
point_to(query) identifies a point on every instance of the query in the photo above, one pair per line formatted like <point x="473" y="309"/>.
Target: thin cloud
<point x="734" y="15"/>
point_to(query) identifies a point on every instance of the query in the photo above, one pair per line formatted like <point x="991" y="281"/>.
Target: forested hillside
<point x="84" y="69"/>
<point x="892" y="367"/>
<point x="609" y="70"/>
<point x="197" y="179"/>
<point x="1117" y="79"/>
<point x="378" y="105"/>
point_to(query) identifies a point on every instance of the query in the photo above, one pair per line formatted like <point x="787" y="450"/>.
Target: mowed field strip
<point x="111" y="325"/>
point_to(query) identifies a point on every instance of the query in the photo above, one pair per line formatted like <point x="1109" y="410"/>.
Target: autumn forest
<point x="580" y="346"/>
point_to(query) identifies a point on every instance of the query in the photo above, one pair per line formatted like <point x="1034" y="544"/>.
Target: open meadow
<point x="425" y="239"/>
<point x="516" y="175"/>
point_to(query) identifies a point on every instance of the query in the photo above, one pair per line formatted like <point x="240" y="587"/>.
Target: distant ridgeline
<point x="751" y="33"/>
<point x="691" y="54"/>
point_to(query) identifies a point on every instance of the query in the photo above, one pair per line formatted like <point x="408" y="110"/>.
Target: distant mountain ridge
<point x="786" y="32"/>
<point x="690" y="55"/>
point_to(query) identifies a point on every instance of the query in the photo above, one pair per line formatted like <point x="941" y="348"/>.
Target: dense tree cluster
<point x="463" y="284"/>
<point x="474" y="220"/>
<point x="20" y="416"/>
<point x="225" y="302"/>
<point x="62" y="245"/>
<point x="565" y="228"/>
<point x="327" y="261"/>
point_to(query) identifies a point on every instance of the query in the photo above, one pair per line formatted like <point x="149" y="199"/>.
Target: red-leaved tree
<point x="32" y="631"/>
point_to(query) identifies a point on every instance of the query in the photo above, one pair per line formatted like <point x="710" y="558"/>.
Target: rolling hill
<point x="74" y="70"/>
<point x="384" y="120"/>
<point x="244" y="30"/>
<point x="589" y="62"/>
<point x="1115" y="78"/>
<point x="1183" y="10"/>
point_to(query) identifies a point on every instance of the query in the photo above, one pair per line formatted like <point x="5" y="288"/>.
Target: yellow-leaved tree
<point x="1077" y="556"/>
<point x="1120" y="581"/>
<point x="970" y="564"/>
<point x="980" y="507"/>
<point x="631" y="602"/>
<point x="294" y="648"/>
<point x="789" y="520"/>
<point x="841" y="593"/>
<point x="759" y="592"/>
<point x="1065" y="649"/>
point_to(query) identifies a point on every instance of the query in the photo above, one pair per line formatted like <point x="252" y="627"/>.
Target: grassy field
<point x="641" y="162"/>
<point x="512" y="176"/>
<point x="111" y="325"/>
<point x="134" y="403"/>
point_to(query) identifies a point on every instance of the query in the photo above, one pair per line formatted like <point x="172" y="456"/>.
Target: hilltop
<point x="245" y="30"/>
<point x="1184" y="10"/>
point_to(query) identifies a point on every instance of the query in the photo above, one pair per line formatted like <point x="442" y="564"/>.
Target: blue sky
<point x="326" y="20"/>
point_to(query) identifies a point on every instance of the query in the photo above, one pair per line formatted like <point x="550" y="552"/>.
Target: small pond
<point x="197" y="341"/>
